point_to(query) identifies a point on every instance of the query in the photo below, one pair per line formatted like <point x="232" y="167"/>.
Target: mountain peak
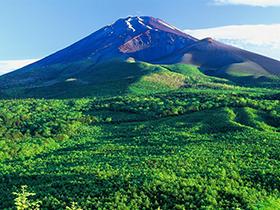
<point x="140" y="24"/>
<point x="133" y="23"/>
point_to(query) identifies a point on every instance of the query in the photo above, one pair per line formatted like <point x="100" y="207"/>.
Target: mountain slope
<point x="105" y="53"/>
<point x="143" y="38"/>
<point x="212" y="55"/>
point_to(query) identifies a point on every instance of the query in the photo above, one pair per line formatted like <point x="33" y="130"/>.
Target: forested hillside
<point x="194" y="148"/>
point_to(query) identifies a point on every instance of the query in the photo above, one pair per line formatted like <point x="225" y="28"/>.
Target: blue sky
<point x="32" y="29"/>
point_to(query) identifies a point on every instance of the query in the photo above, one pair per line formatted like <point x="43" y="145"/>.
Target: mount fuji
<point x="126" y="44"/>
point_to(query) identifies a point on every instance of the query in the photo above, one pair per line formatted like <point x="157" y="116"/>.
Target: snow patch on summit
<point x="140" y="20"/>
<point x="130" y="25"/>
<point x="167" y="25"/>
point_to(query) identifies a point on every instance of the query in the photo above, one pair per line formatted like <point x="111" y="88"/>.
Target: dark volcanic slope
<point x="143" y="39"/>
<point x="211" y="54"/>
<point x="215" y="56"/>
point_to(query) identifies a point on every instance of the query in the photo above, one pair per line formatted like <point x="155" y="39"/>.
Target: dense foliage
<point x="188" y="149"/>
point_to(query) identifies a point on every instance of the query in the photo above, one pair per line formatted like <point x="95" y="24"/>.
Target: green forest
<point x="191" y="148"/>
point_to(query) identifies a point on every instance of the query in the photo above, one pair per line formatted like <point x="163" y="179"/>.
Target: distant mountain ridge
<point x="140" y="39"/>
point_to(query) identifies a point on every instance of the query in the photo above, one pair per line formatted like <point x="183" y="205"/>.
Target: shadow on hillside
<point x="109" y="79"/>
